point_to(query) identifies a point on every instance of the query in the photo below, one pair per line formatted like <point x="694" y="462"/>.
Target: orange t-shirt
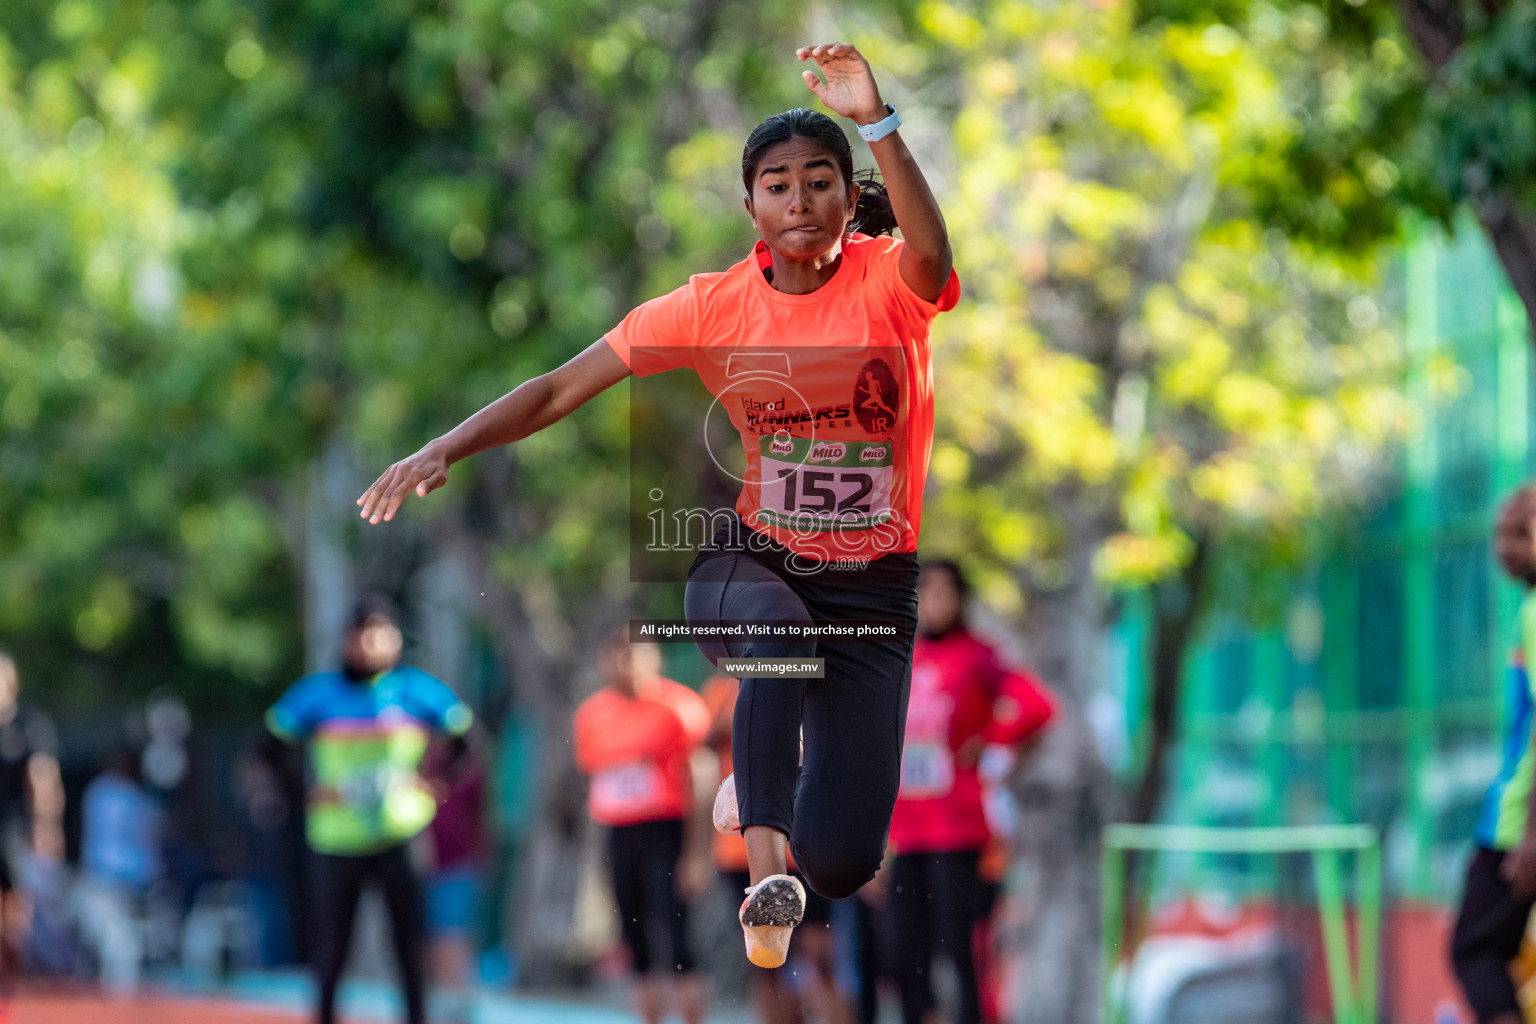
<point x="636" y="750"/>
<point x="831" y="391"/>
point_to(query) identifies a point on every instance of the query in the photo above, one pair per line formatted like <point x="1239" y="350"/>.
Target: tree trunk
<point x="542" y="651"/>
<point x="1064" y="792"/>
<point x="327" y="567"/>
<point x="1438" y="30"/>
<point x="1177" y="605"/>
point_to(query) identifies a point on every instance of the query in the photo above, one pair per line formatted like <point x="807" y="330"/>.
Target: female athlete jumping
<point x="836" y="436"/>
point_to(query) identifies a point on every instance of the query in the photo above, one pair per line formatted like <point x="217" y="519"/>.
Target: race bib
<point x="363" y="791"/>
<point x="625" y="791"/>
<point x="927" y="771"/>
<point x="825" y="485"/>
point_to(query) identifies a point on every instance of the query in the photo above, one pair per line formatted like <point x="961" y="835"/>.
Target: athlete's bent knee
<point x="836" y="874"/>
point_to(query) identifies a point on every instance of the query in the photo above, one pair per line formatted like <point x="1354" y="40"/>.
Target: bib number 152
<point x="826" y="492"/>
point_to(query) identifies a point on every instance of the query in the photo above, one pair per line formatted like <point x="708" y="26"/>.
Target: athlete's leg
<point x="765" y="732"/>
<point x="407" y="926"/>
<point x="1489" y="927"/>
<point x="853" y="725"/>
<point x="337" y="884"/>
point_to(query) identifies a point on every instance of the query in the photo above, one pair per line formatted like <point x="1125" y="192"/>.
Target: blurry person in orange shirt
<point x="775" y="996"/>
<point x="639" y="740"/>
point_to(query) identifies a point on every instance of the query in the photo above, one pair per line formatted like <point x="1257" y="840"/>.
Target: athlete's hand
<point x="423" y="473"/>
<point x="850" y="88"/>
<point x="1519" y="868"/>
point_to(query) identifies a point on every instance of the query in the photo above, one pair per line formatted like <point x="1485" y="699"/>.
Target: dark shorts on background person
<point x="337" y="883"/>
<point x="936" y="900"/>
<point x="1489" y="929"/>
<point x="643" y="860"/>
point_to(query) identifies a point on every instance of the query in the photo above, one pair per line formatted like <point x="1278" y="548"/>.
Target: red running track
<point x="79" y="1009"/>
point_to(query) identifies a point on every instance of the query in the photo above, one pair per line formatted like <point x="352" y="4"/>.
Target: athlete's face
<point x="800" y="203"/>
<point x="939" y="603"/>
<point x="1514" y="540"/>
<point x="373" y="647"/>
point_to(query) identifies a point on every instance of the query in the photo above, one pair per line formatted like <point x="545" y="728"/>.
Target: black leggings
<point x="936" y="900"/>
<point x="1489" y="928"/>
<point x="834" y="801"/>
<point x="643" y="859"/>
<point x="338" y="883"/>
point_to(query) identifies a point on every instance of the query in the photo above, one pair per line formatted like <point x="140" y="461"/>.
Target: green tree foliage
<point x="1137" y="344"/>
<point x="353" y="222"/>
<point x="1424" y="105"/>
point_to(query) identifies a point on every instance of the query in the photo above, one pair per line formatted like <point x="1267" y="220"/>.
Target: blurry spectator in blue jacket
<point x="121" y="857"/>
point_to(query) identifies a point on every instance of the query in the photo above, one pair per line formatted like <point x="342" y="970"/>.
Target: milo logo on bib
<point x="823" y="486"/>
<point x="827" y="452"/>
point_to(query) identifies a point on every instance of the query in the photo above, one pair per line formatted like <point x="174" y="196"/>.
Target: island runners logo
<point x="873" y="454"/>
<point x="781" y="446"/>
<point x="766" y="416"/>
<point x="828" y="452"/>
<point x="876" y="397"/>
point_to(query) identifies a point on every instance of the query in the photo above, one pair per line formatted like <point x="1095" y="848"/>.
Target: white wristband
<point x="880" y="129"/>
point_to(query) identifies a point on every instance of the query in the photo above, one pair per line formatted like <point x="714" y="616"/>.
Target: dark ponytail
<point x="873" y="214"/>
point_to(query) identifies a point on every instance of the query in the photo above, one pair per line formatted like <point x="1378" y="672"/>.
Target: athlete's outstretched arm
<point x="527" y="409"/>
<point x="850" y="90"/>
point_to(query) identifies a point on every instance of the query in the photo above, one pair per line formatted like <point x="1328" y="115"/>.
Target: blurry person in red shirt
<point x="775" y="993"/>
<point x="640" y="741"/>
<point x="964" y="700"/>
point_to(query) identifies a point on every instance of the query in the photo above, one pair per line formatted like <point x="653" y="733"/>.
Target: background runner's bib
<point x="626" y="791"/>
<point x="825" y="485"/>
<point x="927" y="771"/>
<point x="363" y="790"/>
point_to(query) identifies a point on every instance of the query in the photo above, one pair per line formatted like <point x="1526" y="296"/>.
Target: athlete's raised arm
<point x="850" y="90"/>
<point x="527" y="409"/>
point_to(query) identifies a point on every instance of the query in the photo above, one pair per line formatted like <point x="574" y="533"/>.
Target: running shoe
<point x="768" y="917"/>
<point x="727" y="821"/>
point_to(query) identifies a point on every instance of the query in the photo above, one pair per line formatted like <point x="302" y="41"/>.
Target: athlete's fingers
<point x="812" y="80"/>
<point x="375" y="493"/>
<point x="396" y="498"/>
<point x="391" y="494"/>
<point x="431" y="483"/>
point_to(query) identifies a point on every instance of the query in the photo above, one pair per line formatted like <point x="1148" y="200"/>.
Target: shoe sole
<point x="726" y="821"/>
<point x="768" y="919"/>
<point x="776" y="903"/>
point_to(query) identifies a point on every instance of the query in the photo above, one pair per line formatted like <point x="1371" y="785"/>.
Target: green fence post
<point x="1369" y="902"/>
<point x="1112" y="920"/>
<point x="1330" y="905"/>
<point x="1420" y="538"/>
